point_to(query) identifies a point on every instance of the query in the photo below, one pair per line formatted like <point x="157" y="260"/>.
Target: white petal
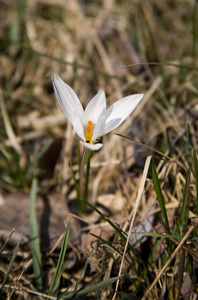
<point x="99" y="126"/>
<point x="112" y="124"/>
<point x="95" y="108"/>
<point x="79" y="129"/>
<point x="67" y="99"/>
<point x="120" y="110"/>
<point x="92" y="147"/>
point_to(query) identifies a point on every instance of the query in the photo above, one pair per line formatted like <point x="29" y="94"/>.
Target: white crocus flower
<point x="95" y="121"/>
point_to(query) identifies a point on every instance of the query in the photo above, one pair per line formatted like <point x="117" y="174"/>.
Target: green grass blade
<point x="78" y="66"/>
<point x="96" y="287"/>
<point x="11" y="264"/>
<point x="184" y="211"/>
<point x="63" y="294"/>
<point x="158" y="235"/>
<point x="119" y="252"/>
<point x="34" y="163"/>
<point x="75" y="183"/>
<point x="76" y="286"/>
<point x="196" y="174"/>
<point x="60" y="261"/>
<point x="169" y="143"/>
<point x="128" y="296"/>
<point x="194" y="35"/>
<point x="160" y="197"/>
<point x="16" y="28"/>
<point x="77" y="283"/>
<point x="152" y="253"/>
<point x="121" y="235"/>
<point x="2" y="248"/>
<point x="108" y="244"/>
<point x="78" y="156"/>
<point x="34" y="240"/>
<point x="187" y="145"/>
<point x="123" y="239"/>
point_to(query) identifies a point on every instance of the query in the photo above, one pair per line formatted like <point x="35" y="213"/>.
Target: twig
<point x="133" y="215"/>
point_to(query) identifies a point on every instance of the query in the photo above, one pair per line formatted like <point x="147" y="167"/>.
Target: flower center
<point x="88" y="136"/>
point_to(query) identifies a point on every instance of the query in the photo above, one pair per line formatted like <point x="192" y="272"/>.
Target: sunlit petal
<point x="67" y="99"/>
<point x="95" y="108"/>
<point x="111" y="125"/>
<point x="92" y="147"/>
<point x="99" y="126"/>
<point x="120" y="110"/>
<point x="78" y="127"/>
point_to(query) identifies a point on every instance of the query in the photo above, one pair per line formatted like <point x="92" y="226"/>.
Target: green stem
<point x="83" y="206"/>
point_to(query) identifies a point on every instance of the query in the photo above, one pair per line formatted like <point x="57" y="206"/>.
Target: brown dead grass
<point x="87" y="43"/>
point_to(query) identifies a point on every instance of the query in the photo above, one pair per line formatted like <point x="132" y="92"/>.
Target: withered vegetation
<point x="122" y="47"/>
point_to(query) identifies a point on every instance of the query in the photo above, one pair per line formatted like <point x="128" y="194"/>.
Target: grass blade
<point x="16" y="29"/>
<point x="117" y="251"/>
<point x="184" y="211"/>
<point x="160" y="197"/>
<point x="60" y="261"/>
<point x="158" y="235"/>
<point x="122" y="237"/>
<point x="34" y="240"/>
<point x="194" y="35"/>
<point x="78" y="156"/>
<point x="34" y="163"/>
<point x="10" y="264"/>
<point x="2" y="248"/>
<point x="96" y="287"/>
<point x="196" y="174"/>
<point x="75" y="182"/>
<point x="78" y="66"/>
<point x="187" y="145"/>
<point x="119" y="232"/>
<point x="108" y="244"/>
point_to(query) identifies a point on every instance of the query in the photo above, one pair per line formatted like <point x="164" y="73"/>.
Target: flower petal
<point x="92" y="147"/>
<point x="78" y="127"/>
<point x="112" y="124"/>
<point x="95" y="108"/>
<point x="99" y="126"/>
<point x="67" y="99"/>
<point x="120" y="110"/>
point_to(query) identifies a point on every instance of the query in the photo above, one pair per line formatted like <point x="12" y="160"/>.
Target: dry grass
<point x="88" y="44"/>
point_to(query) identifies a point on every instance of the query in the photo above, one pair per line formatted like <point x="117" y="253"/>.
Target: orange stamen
<point x="90" y="126"/>
<point x="88" y="136"/>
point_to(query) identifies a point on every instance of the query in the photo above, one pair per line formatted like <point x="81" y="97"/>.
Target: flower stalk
<point x="83" y="182"/>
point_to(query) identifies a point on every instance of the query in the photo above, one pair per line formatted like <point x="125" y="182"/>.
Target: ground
<point x="144" y="179"/>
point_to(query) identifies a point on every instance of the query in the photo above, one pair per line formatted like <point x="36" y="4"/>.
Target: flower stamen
<point x="88" y="136"/>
